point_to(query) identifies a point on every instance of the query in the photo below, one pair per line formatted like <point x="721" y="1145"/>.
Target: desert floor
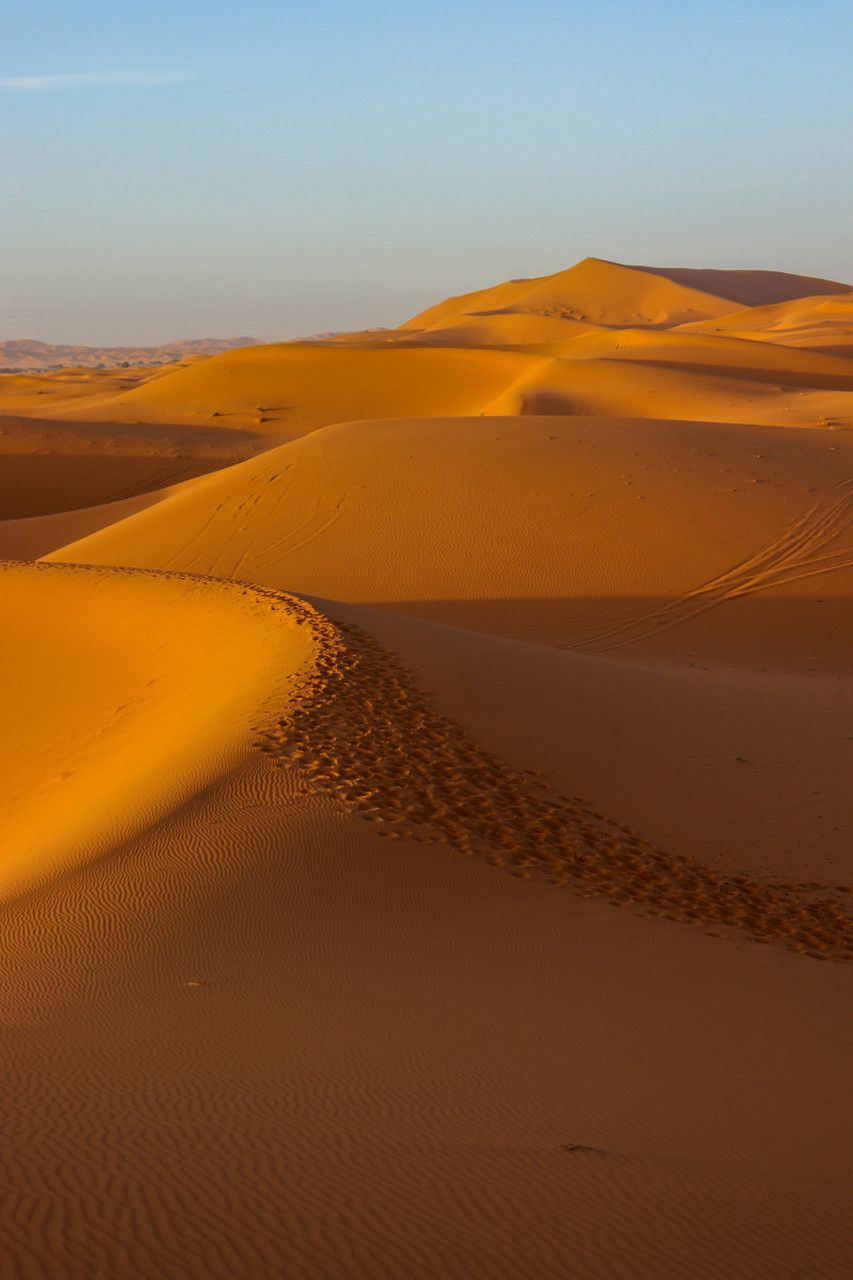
<point x="426" y="839"/>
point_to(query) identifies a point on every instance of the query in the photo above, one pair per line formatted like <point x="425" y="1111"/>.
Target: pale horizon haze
<point x="207" y="170"/>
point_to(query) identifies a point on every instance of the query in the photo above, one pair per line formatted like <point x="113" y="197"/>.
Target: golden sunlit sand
<point x="350" y="687"/>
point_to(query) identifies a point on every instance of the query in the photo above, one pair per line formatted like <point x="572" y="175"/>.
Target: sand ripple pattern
<point x="800" y="551"/>
<point x="363" y="733"/>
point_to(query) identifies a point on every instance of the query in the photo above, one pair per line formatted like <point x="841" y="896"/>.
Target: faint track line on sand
<point x="798" y="552"/>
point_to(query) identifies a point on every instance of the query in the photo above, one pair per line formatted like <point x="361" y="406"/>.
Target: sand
<point x="426" y="840"/>
<point x="645" y="538"/>
<point x="24" y="355"/>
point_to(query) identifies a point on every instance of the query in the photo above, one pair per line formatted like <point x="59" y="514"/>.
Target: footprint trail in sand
<point x="363" y="733"/>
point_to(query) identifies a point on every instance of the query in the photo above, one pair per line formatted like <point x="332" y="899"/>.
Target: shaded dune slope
<point x="48" y="467"/>
<point x="749" y="288"/>
<point x="365" y="734"/>
<point x="29" y="537"/>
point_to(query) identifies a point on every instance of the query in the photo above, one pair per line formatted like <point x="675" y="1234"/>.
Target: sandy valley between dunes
<point x="426" y="838"/>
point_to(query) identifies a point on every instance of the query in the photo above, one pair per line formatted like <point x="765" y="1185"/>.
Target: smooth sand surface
<point x="824" y="323"/>
<point x="426" y="835"/>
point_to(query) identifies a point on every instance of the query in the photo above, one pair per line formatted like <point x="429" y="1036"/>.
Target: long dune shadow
<point x="40" y="484"/>
<point x="775" y="374"/>
<point x="807" y="633"/>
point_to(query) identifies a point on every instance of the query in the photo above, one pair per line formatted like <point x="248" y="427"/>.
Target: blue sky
<point x="206" y="169"/>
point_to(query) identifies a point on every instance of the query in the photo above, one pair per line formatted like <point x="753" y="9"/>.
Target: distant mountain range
<point x="24" y="355"/>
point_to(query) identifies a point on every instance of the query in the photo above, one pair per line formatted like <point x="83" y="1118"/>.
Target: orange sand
<point x="362" y="680"/>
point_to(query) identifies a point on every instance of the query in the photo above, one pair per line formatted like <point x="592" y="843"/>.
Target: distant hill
<point x="22" y="355"/>
<point x="595" y="293"/>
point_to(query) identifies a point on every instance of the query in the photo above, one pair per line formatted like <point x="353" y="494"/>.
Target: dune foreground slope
<point x="425" y="848"/>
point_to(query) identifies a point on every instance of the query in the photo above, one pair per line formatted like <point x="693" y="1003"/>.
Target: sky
<point x="208" y="169"/>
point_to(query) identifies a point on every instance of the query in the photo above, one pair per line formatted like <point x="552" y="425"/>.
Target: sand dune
<point x="102" y="743"/>
<point x="610" y="294"/>
<point x="608" y="534"/>
<point x="363" y="680"/>
<point x="29" y="537"/>
<point x="684" y="385"/>
<point x="749" y="288"/>
<point x="211" y="964"/>
<point x="821" y="323"/>
<point x="287" y="389"/>
<point x="596" y="339"/>
<point x="50" y="392"/>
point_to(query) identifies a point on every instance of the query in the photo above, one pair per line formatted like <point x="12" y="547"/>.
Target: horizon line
<point x="91" y="80"/>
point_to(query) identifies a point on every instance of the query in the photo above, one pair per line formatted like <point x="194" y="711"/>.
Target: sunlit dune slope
<point x="290" y="388"/>
<point x="45" y="393"/>
<point x="123" y="697"/>
<point x="80" y="394"/>
<point x="498" y="329"/>
<point x="639" y="374"/>
<point x="714" y="353"/>
<point x="540" y="527"/>
<point x="821" y="323"/>
<point x="608" y="293"/>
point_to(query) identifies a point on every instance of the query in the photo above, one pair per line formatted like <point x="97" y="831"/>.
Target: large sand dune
<point x="612" y="534"/>
<point x="363" y="679"/>
<point x="610" y="294"/>
<point x="598" y="338"/>
<point x="822" y="323"/>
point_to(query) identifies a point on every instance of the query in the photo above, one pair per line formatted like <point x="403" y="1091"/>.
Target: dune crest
<point x="606" y="293"/>
<point x="139" y="717"/>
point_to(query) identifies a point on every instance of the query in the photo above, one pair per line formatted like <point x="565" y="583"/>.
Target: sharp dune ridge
<point x="348" y="685"/>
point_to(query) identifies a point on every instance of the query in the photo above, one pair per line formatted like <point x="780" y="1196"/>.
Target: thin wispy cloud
<point x="90" y="80"/>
